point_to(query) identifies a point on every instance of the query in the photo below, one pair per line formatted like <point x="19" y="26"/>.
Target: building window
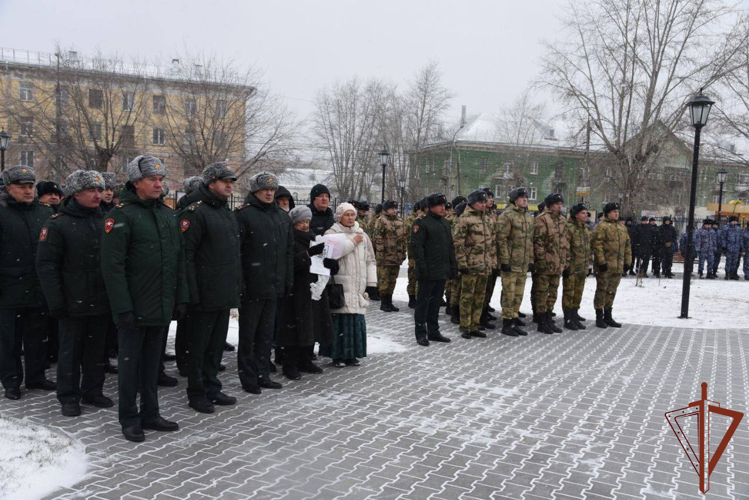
<point x="532" y="193"/>
<point x="125" y="161"/>
<point x="219" y="139"/>
<point x="497" y="191"/>
<point x="62" y="128"/>
<point x="128" y="136"/>
<point x="26" y="91"/>
<point x="189" y="143"/>
<point x="27" y="158"/>
<point x="159" y="137"/>
<point x="221" y="109"/>
<point x="191" y="107"/>
<point x="95" y="98"/>
<point x="96" y="131"/>
<point x="534" y="168"/>
<point x="61" y="163"/>
<point x="128" y="101"/>
<point x="743" y="179"/>
<point x="27" y="126"/>
<point x="159" y="104"/>
<point x="62" y="96"/>
<point x="482" y="166"/>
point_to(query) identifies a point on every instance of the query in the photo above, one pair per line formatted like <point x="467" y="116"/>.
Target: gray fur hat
<point x="83" y="179"/>
<point x="110" y="180"/>
<point x="192" y="183"/>
<point x="263" y="180"/>
<point x="19" y="175"/>
<point x="299" y="214"/>
<point x="144" y="166"/>
<point x="218" y="170"/>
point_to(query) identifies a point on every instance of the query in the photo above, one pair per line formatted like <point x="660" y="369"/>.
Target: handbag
<point x="335" y="294"/>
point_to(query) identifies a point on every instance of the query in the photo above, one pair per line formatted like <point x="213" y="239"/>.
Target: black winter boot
<point x="536" y="317"/>
<point x="519" y="322"/>
<point x="576" y="312"/>
<point x="600" y="323"/>
<point x="449" y="310"/>
<point x="384" y="306"/>
<point x="521" y="315"/>
<point x="304" y="360"/>
<point x="550" y="321"/>
<point x="392" y="306"/>
<point x="289" y="367"/>
<point x="411" y="301"/>
<point x="543" y="323"/>
<point x="455" y="317"/>
<point x="516" y="326"/>
<point x="486" y="323"/>
<point x="569" y="321"/>
<point x="507" y="328"/>
<point x="609" y="320"/>
<point x="578" y="321"/>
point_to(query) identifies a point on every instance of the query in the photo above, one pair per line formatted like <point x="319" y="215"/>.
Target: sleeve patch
<point x="43" y="234"/>
<point x="184" y="225"/>
<point x="416" y="228"/>
<point x="108" y="225"/>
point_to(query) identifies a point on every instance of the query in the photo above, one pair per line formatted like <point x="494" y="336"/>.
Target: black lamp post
<point x="699" y="110"/>
<point x="722" y="176"/>
<point x="384" y="162"/>
<point x="4" y="140"/>
<point x="402" y="183"/>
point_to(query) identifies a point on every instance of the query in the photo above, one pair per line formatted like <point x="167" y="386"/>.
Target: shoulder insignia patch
<point x="54" y="216"/>
<point x="43" y="234"/>
<point x="416" y="228"/>
<point x="184" y="225"/>
<point x="108" y="225"/>
<point x="241" y="207"/>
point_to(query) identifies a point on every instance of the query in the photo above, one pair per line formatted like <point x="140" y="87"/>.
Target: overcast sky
<point x="488" y="50"/>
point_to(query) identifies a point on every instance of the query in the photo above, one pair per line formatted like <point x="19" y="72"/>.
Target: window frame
<point x="156" y="134"/>
<point x="93" y="101"/>
<point x="25" y="91"/>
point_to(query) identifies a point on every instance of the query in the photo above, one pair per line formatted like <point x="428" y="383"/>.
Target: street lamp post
<point x="722" y="176"/>
<point x="699" y="110"/>
<point x="402" y="183"/>
<point x="4" y="140"/>
<point x="384" y="163"/>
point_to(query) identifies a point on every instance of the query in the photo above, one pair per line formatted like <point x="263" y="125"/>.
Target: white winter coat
<point x="356" y="269"/>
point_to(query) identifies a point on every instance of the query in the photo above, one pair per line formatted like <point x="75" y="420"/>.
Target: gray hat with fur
<point x="145" y="166"/>
<point x="218" y="170"/>
<point x="192" y="183"/>
<point x="83" y="179"/>
<point x="299" y="214"/>
<point x="110" y="180"/>
<point x="263" y="180"/>
<point x="19" y="175"/>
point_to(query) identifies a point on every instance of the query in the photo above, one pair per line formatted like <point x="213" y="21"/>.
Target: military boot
<point x="600" y="323"/>
<point x="507" y="328"/>
<point x="455" y="316"/>
<point x="449" y="310"/>
<point x="550" y="321"/>
<point x="411" y="302"/>
<point x="519" y="322"/>
<point x="486" y="323"/>
<point x="395" y="309"/>
<point x="578" y="321"/>
<point x="609" y="320"/>
<point x="516" y="326"/>
<point x="577" y="315"/>
<point x="384" y="306"/>
<point x="569" y="321"/>
<point x="543" y="323"/>
<point x="536" y="317"/>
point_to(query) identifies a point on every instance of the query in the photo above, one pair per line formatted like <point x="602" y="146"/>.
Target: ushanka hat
<point x="145" y="166"/>
<point x="83" y="179"/>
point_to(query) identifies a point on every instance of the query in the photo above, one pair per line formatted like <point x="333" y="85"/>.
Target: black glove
<point x="180" y="310"/>
<point x="530" y="267"/>
<point x="58" y="313"/>
<point x="331" y="264"/>
<point x="463" y="271"/>
<point x="603" y="267"/>
<point x="505" y="268"/>
<point x="566" y="273"/>
<point x="626" y="268"/>
<point x="126" y="321"/>
<point x="316" y="250"/>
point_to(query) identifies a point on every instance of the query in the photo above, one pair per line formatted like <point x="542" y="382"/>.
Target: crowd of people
<point x="92" y="268"/>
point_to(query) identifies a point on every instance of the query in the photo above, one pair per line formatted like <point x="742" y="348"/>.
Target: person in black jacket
<point x="284" y="199"/>
<point x="191" y="185"/>
<point x="669" y="241"/>
<point x="655" y="250"/>
<point x="67" y="262"/>
<point x="50" y="193"/>
<point x="267" y="256"/>
<point x="433" y="250"/>
<point x="630" y="225"/>
<point x="322" y="215"/>
<point x="211" y="236"/>
<point x="23" y="312"/>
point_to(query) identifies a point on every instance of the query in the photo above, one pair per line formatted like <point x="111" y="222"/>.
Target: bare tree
<point x="629" y="66"/>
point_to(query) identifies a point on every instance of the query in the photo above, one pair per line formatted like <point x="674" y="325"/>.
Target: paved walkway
<point x="572" y="415"/>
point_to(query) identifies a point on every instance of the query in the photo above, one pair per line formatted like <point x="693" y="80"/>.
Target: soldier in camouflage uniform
<point x="471" y="237"/>
<point x="578" y="234"/>
<point x="551" y="256"/>
<point x="612" y="255"/>
<point x="390" y="245"/>
<point x="452" y="289"/>
<point x="491" y="216"/>
<point x="515" y="254"/>
<point x="745" y="250"/>
<point x="705" y="245"/>
<point x="731" y="242"/>
<point x="362" y="210"/>
<point x="534" y="274"/>
<point x="412" y="287"/>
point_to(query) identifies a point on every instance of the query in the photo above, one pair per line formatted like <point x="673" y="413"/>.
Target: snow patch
<point x="37" y="461"/>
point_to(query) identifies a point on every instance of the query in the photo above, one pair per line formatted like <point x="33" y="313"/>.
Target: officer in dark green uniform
<point x="143" y="264"/>
<point x="23" y="313"/>
<point x="67" y="262"/>
<point x="433" y="251"/>
<point x="211" y="238"/>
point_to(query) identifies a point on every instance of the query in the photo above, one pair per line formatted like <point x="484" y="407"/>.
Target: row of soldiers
<point x="487" y="245"/>
<point x="711" y="242"/>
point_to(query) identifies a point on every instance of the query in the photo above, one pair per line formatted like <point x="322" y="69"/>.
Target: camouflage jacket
<point x="390" y="240"/>
<point x="472" y="239"/>
<point x="611" y="245"/>
<point x="578" y="234"/>
<point x="730" y="238"/>
<point x="551" y="248"/>
<point x="515" y="238"/>
<point x="745" y="238"/>
<point x="705" y="240"/>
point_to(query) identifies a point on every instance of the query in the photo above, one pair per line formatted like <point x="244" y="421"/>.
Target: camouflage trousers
<point x="413" y="285"/>
<point x="452" y="290"/>
<point x="572" y="291"/>
<point x="513" y="287"/>
<point x="732" y="261"/>
<point x="606" y="285"/>
<point x="746" y="265"/>
<point x="490" y="284"/>
<point x="708" y="257"/>
<point x="386" y="278"/>
<point x="472" y="290"/>
<point x="547" y="288"/>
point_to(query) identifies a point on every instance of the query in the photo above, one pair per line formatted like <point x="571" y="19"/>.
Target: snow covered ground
<point x="36" y="461"/>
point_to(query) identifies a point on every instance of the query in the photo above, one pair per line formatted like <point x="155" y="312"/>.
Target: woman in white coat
<point x="356" y="271"/>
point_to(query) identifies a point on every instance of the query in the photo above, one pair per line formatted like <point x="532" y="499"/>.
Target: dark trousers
<point x="644" y="261"/>
<point x="82" y="348"/>
<point x="206" y="334"/>
<point x="53" y="339"/>
<point x="110" y="343"/>
<point x="180" y="344"/>
<point x="256" y="328"/>
<point x="138" y="364"/>
<point x="716" y="262"/>
<point x="428" y="308"/>
<point x="28" y="327"/>
<point x="667" y="260"/>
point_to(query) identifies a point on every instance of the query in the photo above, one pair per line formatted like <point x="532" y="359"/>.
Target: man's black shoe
<point x="46" y="385"/>
<point x="134" y="433"/>
<point x="490" y="309"/>
<point x="438" y="337"/>
<point x="252" y="389"/>
<point x="160" y="424"/>
<point x="519" y="330"/>
<point x="268" y="384"/>
<point x="507" y="328"/>
<point x="422" y="341"/>
<point x="519" y="322"/>
<point x="291" y="372"/>
<point x="479" y="335"/>
<point x="488" y="325"/>
<point x="13" y="393"/>
<point x="521" y="315"/>
<point x="228" y="347"/>
<point x="306" y="365"/>
<point x="99" y="401"/>
<point x="222" y="399"/>
<point x="466" y="335"/>
<point x="202" y="406"/>
<point x="71" y="409"/>
<point x="221" y="367"/>
<point x="167" y="381"/>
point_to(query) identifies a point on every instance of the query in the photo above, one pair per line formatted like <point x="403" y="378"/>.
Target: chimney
<point x="463" y="116"/>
